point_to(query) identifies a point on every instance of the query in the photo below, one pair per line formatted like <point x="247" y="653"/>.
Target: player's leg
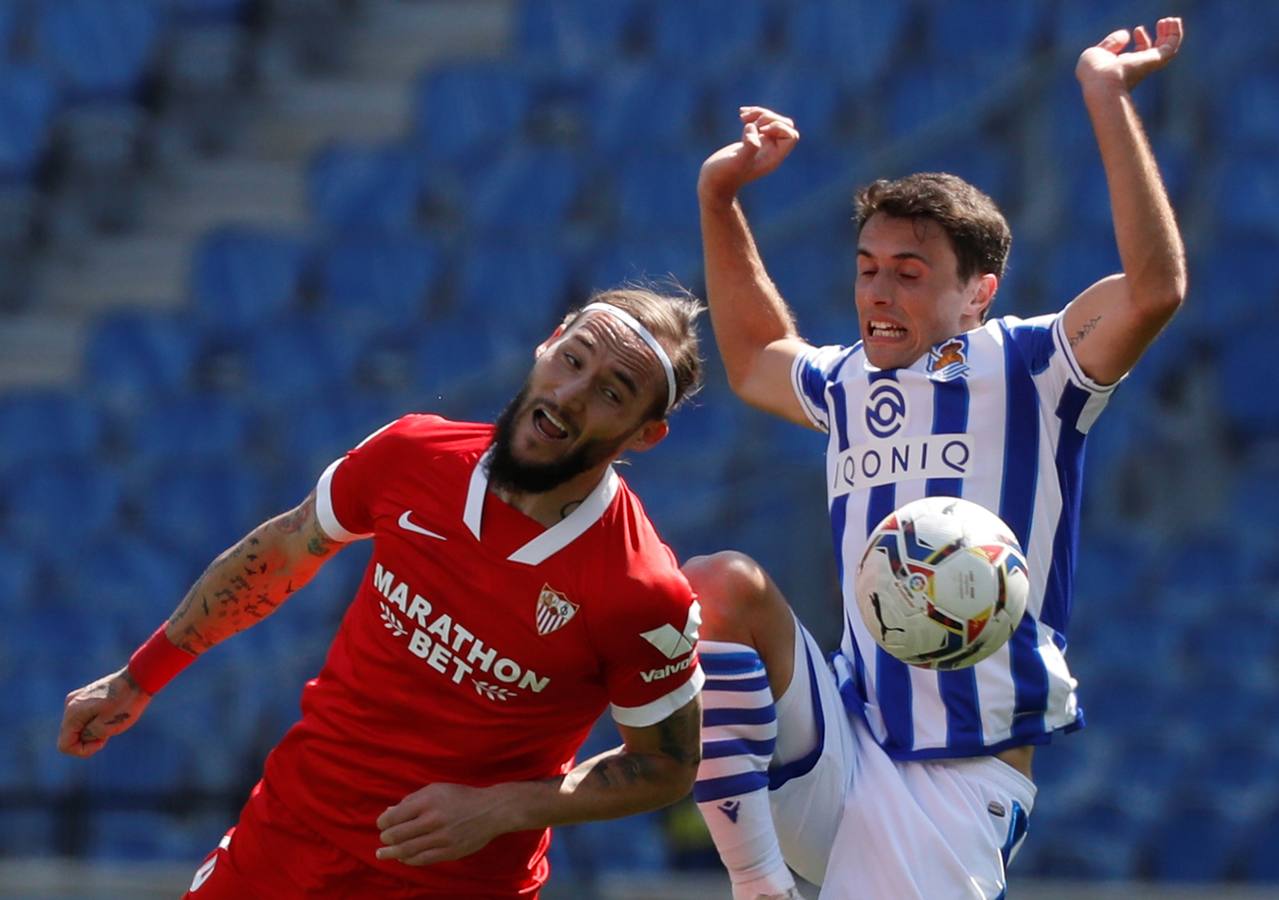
<point x="918" y="830"/>
<point x="273" y="855"/>
<point x="748" y="649"/>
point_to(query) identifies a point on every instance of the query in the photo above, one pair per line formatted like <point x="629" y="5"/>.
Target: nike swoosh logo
<point x="408" y="525"/>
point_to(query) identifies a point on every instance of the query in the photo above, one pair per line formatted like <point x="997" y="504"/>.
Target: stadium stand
<point x="385" y="267"/>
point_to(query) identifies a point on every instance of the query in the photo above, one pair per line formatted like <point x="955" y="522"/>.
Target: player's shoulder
<point x="636" y="561"/>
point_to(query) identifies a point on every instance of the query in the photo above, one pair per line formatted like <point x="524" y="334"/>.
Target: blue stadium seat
<point x="28" y="101"/>
<point x="30" y="832"/>
<point x="460" y="348"/>
<point x="623" y="94"/>
<point x="386" y="280"/>
<point x="149" y="759"/>
<point x="201" y="510"/>
<point x="305" y="359"/>
<point x="315" y="434"/>
<point x="352" y="187"/>
<point x="1247" y="194"/>
<point x="60" y="505"/>
<point x="707" y="36"/>
<point x="44" y="424"/>
<point x="517" y="289"/>
<point x="464" y="110"/>
<point x="527" y="189"/>
<point x="573" y="35"/>
<point x="1097" y="840"/>
<point x="1245" y="364"/>
<point x="97" y="49"/>
<point x="131" y="583"/>
<point x="190" y="428"/>
<point x="815" y="275"/>
<point x="1245" y="268"/>
<point x="959" y="32"/>
<point x="1251" y="27"/>
<point x="123" y="836"/>
<point x="19" y="584"/>
<point x="854" y="40"/>
<point x="1195" y="842"/>
<point x="135" y="356"/>
<point x="10" y="17"/>
<point x="205" y="12"/>
<point x="803" y="93"/>
<point x="657" y="192"/>
<point x="921" y="96"/>
<point x="1262" y="863"/>
<point x="643" y="261"/>
<point x="820" y="175"/>
<point x="1076" y="263"/>
<point x="243" y="278"/>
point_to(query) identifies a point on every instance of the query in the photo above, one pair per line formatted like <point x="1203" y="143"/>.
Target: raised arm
<point x="753" y="326"/>
<point x="654" y="767"/>
<point x="1111" y="323"/>
<point x="240" y="588"/>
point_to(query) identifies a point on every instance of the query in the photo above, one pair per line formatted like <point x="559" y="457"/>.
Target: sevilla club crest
<point x="553" y="610"/>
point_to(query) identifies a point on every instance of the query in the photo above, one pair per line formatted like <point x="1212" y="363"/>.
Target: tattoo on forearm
<point x="621" y="770"/>
<point x="293" y="521"/>
<point x="680" y="736"/>
<point x="319" y="543"/>
<point x="1084" y="330"/>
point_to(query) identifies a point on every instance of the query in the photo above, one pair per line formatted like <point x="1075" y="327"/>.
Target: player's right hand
<point x="767" y="139"/>
<point x="99" y="711"/>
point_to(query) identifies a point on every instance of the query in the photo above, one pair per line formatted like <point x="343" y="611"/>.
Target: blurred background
<point x="237" y="235"/>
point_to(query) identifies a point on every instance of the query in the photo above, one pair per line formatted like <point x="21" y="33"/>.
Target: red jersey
<point x="480" y="646"/>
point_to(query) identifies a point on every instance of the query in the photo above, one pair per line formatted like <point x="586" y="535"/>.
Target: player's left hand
<point x="441" y="822"/>
<point x="1109" y="64"/>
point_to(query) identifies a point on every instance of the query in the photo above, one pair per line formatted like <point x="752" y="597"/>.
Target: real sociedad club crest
<point x="553" y="610"/>
<point x="949" y="360"/>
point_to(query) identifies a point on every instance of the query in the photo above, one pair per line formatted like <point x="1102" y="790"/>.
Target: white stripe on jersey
<point x="899" y="435"/>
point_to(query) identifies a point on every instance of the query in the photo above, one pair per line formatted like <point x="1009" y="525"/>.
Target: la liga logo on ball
<point x="942" y="584"/>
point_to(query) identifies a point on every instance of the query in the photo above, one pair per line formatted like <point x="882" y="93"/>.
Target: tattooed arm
<point x="244" y="585"/>
<point x="1110" y="324"/>
<point x="653" y="768"/>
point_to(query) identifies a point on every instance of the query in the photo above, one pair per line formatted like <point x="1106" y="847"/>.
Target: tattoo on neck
<point x="1084" y="331"/>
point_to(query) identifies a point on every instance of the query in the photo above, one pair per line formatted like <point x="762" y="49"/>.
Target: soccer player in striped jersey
<point x="873" y="778"/>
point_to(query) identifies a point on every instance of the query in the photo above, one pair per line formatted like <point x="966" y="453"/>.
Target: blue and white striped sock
<point x="739" y="731"/>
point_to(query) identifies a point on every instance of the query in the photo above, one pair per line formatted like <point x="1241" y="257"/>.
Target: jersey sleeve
<point x="345" y="491"/>
<point x="811" y="373"/>
<point x="1043" y="344"/>
<point x="650" y="651"/>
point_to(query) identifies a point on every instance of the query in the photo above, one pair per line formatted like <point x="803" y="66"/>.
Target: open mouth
<point x="548" y="425"/>
<point x="880" y="328"/>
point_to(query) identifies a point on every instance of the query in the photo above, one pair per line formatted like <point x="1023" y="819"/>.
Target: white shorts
<point x="864" y="826"/>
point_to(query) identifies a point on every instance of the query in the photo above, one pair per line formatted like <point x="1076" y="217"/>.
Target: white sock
<point x="739" y="731"/>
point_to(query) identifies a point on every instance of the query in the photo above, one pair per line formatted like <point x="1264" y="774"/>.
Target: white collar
<point x="559" y="535"/>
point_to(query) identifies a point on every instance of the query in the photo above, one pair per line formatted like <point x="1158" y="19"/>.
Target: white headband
<point x="647" y="337"/>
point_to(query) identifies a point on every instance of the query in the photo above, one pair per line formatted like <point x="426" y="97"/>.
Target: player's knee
<point x="734" y="592"/>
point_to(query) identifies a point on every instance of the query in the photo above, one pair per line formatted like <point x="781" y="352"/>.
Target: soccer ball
<point x="942" y="583"/>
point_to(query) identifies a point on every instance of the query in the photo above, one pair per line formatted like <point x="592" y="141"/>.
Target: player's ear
<point x="650" y="435"/>
<point x="555" y="336"/>
<point x="980" y="299"/>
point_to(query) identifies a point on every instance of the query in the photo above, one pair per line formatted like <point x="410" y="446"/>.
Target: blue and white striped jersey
<point x="998" y="416"/>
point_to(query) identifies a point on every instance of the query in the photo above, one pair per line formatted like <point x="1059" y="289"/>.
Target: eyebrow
<point x="905" y="254"/>
<point x="620" y="374"/>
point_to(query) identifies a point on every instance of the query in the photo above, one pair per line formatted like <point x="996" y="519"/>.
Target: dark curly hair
<point x="978" y="231"/>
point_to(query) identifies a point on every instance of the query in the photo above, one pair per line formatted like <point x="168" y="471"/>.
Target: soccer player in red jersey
<point x="516" y="589"/>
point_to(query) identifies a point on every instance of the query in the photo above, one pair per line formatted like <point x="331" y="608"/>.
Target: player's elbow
<point x="681" y="775"/>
